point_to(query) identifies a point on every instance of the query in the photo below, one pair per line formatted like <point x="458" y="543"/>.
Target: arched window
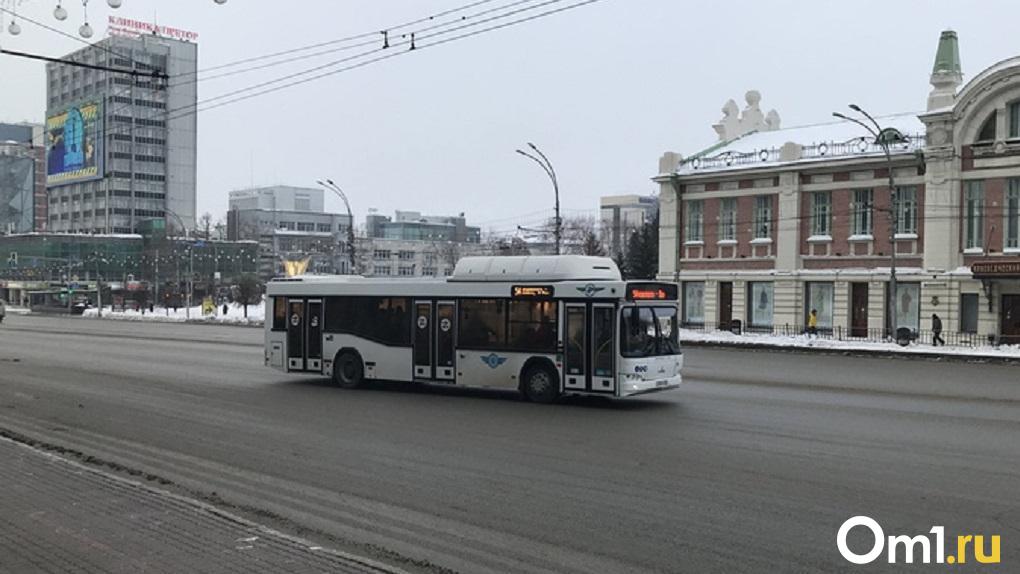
<point x="987" y="133"/>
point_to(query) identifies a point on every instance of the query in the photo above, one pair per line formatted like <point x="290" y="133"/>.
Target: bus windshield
<point x="649" y="332"/>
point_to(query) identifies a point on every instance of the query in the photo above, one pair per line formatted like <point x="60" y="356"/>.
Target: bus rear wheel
<point x="540" y="385"/>
<point x="348" y="370"/>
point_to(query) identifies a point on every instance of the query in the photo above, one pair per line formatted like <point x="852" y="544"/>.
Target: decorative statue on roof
<point x="730" y="122"/>
<point x="733" y="126"/>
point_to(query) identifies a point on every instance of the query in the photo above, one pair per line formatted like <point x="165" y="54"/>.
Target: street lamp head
<point x="532" y="146"/>
<point x="522" y="152"/>
<point x="840" y="116"/>
<point x="855" y="108"/>
<point x="890" y="136"/>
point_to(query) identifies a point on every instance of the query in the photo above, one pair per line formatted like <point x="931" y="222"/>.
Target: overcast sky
<point x="603" y="90"/>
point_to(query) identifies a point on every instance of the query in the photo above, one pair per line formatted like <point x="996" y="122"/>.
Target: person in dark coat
<point x="936" y="330"/>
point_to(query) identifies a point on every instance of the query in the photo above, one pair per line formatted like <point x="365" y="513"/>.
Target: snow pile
<point x="234" y="316"/>
<point x="808" y="342"/>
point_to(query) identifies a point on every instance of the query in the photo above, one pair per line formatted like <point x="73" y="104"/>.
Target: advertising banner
<point x="74" y="148"/>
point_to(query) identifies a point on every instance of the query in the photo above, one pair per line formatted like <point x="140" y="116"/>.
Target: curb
<point x="947" y="357"/>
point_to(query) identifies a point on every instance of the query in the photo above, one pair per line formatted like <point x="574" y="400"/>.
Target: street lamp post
<point x="883" y="138"/>
<point x="548" y="168"/>
<point x="328" y="184"/>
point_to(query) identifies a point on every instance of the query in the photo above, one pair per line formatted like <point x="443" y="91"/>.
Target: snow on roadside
<point x="234" y="316"/>
<point x="807" y="342"/>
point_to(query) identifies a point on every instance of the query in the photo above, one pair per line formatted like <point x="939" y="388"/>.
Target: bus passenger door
<point x="313" y="342"/>
<point x="423" y="340"/>
<point x="296" y="335"/>
<point x="446" y="326"/>
<point x="603" y="348"/>
<point x="575" y="340"/>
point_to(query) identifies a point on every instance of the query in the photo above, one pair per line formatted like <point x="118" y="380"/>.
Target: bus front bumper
<point x="632" y="388"/>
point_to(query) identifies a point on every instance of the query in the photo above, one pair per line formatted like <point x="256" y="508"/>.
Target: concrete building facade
<point x="770" y="223"/>
<point x="23" y="204"/>
<point x="382" y="257"/>
<point x="139" y="130"/>
<point x="413" y="226"/>
<point x="290" y="223"/>
<point x="620" y="215"/>
<point x="280" y="198"/>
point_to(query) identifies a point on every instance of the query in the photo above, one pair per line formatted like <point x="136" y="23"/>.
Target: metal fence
<point x="839" y="333"/>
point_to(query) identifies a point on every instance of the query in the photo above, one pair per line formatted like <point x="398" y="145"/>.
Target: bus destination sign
<point x="652" y="292"/>
<point x="532" y="291"/>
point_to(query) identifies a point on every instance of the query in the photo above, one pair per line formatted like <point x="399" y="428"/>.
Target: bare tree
<point x="449" y="254"/>
<point x="205" y="226"/>
<point x="582" y="237"/>
<point x="249" y="291"/>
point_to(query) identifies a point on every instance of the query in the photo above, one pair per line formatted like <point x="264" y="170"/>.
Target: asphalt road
<point x="751" y="467"/>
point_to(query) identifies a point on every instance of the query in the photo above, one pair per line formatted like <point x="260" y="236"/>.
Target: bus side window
<point x="280" y="314"/>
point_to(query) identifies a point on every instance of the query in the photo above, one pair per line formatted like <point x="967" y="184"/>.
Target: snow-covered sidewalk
<point x="806" y="342"/>
<point x="235" y="315"/>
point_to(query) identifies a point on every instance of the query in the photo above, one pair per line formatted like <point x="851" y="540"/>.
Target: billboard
<point x="74" y="146"/>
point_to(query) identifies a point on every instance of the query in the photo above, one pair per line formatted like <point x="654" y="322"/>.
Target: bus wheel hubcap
<point x="540" y="382"/>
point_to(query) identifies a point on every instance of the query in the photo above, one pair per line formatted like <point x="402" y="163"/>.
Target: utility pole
<point x="156" y="273"/>
<point x="191" y="277"/>
<point x="69" y="305"/>
<point x="548" y="167"/>
<point x="99" y="290"/>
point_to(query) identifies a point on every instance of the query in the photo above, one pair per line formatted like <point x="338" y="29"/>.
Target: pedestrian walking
<point x="225" y="309"/>
<point x="812" y="323"/>
<point x="936" y="330"/>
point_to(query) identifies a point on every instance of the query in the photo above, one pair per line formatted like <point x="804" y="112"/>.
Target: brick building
<point x="769" y="223"/>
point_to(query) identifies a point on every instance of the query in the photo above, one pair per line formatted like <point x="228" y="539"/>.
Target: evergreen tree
<point x="642" y="259"/>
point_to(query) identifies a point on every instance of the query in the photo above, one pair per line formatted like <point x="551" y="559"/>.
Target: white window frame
<point x="821" y="214"/>
<point x="763" y="217"/>
<point x="862" y="211"/>
<point x="1012" y="209"/>
<point x="974" y="214"/>
<point x="906" y="210"/>
<point x="693" y="303"/>
<point x="728" y="219"/>
<point x="694" y="230"/>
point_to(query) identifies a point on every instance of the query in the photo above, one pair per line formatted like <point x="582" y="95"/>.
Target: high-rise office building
<point x="122" y="147"/>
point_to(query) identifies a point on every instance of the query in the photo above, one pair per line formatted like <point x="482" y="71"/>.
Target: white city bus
<point x="545" y="326"/>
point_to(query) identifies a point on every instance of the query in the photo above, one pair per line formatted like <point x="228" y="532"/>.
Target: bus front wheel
<point x="348" y="370"/>
<point x="540" y="385"/>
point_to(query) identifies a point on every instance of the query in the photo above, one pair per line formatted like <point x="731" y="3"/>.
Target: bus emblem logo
<point x="493" y="360"/>
<point x="590" y="290"/>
